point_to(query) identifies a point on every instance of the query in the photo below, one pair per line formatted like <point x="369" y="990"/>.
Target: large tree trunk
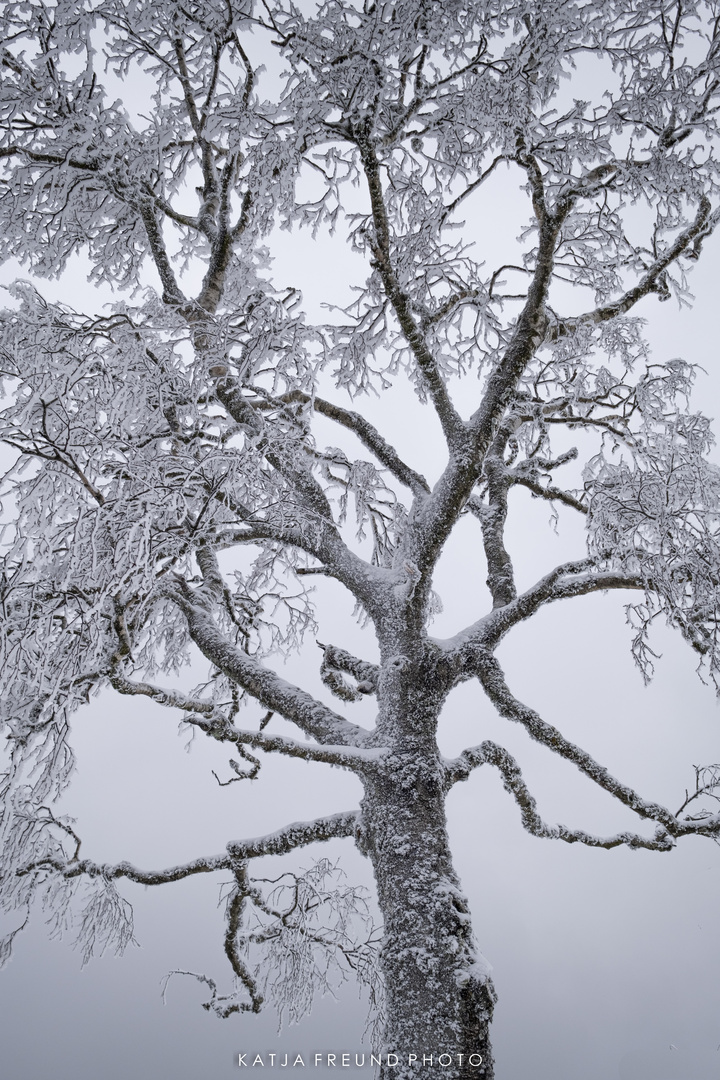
<point x="439" y="997"/>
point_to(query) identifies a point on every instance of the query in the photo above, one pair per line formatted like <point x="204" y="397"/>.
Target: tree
<point x="168" y="491"/>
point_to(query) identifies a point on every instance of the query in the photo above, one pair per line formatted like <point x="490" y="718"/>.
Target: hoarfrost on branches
<point x="170" y="491"/>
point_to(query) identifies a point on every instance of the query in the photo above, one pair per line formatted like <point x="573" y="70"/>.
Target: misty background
<point x="605" y="962"/>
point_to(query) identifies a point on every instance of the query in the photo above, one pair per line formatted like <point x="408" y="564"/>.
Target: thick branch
<point x="500" y="579"/>
<point x="172" y="293"/>
<point x="310" y="715"/>
<point x="335" y="662"/>
<point x="296" y="835"/>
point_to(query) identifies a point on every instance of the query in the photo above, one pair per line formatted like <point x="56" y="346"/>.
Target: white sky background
<point x="602" y="960"/>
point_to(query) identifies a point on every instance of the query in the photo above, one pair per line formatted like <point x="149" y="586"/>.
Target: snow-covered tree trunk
<point x="438" y="995"/>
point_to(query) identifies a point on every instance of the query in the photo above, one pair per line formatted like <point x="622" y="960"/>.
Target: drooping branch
<point x="493" y="682"/>
<point x="242" y="891"/>
<point x="298" y="834"/>
<point x="209" y="717"/>
<point x="490" y="753"/>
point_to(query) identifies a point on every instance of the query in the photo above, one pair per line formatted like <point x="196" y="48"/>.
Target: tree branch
<point x="702" y="225"/>
<point x="335" y="661"/>
<point x="451" y="422"/>
<point x="294" y="704"/>
<point x="298" y="834"/>
<point x="500" y="579"/>
<point x="369" y="436"/>
<point x="549" y="492"/>
<point x="565" y="581"/>
<point x="491" y="677"/>
<point x="354" y="758"/>
<point x="490" y="753"/>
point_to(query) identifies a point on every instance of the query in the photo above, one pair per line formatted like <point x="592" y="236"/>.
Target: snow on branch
<point x="490" y="753"/>
<point x="298" y="834"/>
<point x="689" y="242"/>
<point x="211" y="718"/>
<point x="576" y="578"/>
<point x="318" y="925"/>
<point x="349" y="757"/>
<point x="381" y="248"/>
<point x="492" y="679"/>
<point x="369" y="436"/>
<point x="291" y="938"/>
<point x="337" y="661"/>
<point x="263" y="684"/>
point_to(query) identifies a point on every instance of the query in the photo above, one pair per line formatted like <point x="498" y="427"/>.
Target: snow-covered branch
<point x="298" y="834"/>
<point x="349" y="757"/>
<point x="493" y="682"/>
<point x="382" y="250"/>
<point x="337" y="662"/>
<point x="370" y="437"/>
<point x="688" y="243"/>
<point x="491" y="754"/>
<point x="264" y="685"/>
<point x="565" y="581"/>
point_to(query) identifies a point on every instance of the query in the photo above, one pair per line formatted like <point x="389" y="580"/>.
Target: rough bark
<point x="438" y="993"/>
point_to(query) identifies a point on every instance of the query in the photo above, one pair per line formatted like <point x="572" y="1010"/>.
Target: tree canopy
<point x="168" y="490"/>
